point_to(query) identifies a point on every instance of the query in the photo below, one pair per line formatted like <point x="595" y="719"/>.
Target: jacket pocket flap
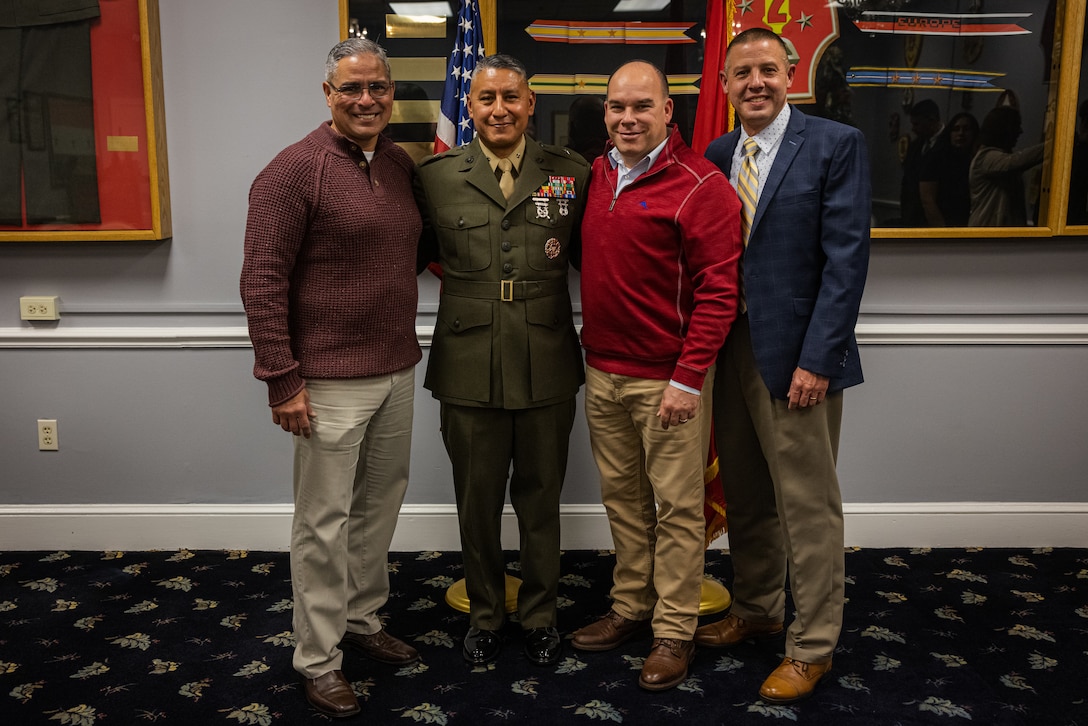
<point x="552" y="311"/>
<point x="460" y="314"/>
<point x="464" y="216"/>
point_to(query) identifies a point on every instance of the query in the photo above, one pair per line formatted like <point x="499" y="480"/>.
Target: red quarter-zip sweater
<point x="659" y="267"/>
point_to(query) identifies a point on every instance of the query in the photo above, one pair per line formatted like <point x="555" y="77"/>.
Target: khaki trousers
<point x="652" y="489"/>
<point x="349" y="482"/>
<point x="785" y="510"/>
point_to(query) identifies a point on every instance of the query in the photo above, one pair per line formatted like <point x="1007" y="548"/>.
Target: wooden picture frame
<point x="128" y="135"/>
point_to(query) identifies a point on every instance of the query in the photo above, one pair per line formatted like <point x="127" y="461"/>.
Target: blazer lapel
<point x="787" y="152"/>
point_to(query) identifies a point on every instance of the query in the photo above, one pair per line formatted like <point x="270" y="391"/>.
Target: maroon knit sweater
<point x="329" y="280"/>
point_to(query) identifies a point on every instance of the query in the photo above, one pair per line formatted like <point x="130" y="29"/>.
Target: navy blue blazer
<point x="808" y="252"/>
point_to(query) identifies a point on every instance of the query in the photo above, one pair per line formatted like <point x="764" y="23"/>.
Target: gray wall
<point x="990" y="412"/>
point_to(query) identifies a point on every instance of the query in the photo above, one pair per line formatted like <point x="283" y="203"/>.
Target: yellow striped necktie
<point x="748" y="187"/>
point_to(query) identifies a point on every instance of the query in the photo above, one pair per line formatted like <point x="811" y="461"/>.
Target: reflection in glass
<point x="997" y="172"/>
<point x="943" y="179"/>
<point x="917" y="68"/>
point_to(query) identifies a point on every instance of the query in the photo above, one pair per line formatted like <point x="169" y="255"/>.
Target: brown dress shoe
<point x="792" y="681"/>
<point x="331" y="694"/>
<point x="731" y="630"/>
<point x="667" y="664"/>
<point x="611" y="631"/>
<point x="382" y="647"/>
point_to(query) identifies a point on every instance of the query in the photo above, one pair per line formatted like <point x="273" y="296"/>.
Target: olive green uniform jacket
<point x="505" y="335"/>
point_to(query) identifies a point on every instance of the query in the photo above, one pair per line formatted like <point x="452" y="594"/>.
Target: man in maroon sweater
<point x="661" y="241"/>
<point x="330" y="293"/>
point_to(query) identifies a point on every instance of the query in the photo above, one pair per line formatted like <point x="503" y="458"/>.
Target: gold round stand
<point x="714" y="597"/>
<point x="457" y="595"/>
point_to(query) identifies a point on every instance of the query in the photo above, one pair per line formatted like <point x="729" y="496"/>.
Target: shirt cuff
<point x="687" y="389"/>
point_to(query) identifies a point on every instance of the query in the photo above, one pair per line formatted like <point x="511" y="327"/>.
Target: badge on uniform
<point x="552" y="248"/>
<point x="559" y="188"/>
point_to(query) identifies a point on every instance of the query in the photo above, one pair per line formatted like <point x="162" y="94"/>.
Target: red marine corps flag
<point x="807" y="26"/>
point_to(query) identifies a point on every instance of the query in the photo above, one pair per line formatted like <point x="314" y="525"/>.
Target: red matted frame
<point x="130" y="131"/>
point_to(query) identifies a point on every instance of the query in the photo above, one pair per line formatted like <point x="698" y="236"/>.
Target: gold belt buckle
<point x="506" y="288"/>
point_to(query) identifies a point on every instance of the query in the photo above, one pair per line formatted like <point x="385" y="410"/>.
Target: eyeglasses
<point x="354" y="91"/>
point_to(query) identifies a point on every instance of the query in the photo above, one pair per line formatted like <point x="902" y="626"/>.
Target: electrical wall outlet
<point x="38" y="308"/>
<point x="47" y="435"/>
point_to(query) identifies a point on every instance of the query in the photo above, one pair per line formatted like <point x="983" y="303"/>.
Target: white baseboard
<point x="585" y="526"/>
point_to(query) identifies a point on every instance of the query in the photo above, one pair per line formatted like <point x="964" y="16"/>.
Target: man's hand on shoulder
<point x="294" y="414"/>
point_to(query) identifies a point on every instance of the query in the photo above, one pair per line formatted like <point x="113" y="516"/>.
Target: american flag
<point x="454" y="125"/>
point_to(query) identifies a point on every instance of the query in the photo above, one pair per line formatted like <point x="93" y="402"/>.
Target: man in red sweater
<point x="329" y="289"/>
<point x="661" y="241"/>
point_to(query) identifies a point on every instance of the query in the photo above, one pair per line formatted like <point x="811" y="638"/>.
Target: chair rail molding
<point x="883" y="333"/>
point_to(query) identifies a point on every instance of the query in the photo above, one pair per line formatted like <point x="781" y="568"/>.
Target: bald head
<point x="637" y="110"/>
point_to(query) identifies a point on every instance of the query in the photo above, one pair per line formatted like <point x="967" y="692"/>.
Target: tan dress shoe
<point x="331" y="694"/>
<point x="792" y="681"/>
<point x="667" y="664"/>
<point x="611" y="631"/>
<point x="382" y="647"/>
<point x="731" y="630"/>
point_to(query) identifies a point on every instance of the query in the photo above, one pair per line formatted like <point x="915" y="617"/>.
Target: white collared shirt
<point x="625" y="176"/>
<point x="769" y="141"/>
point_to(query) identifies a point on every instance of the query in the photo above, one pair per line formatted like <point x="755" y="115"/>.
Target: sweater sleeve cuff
<point x="285" y="387"/>
<point x="684" y="376"/>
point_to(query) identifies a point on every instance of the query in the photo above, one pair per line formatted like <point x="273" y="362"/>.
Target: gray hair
<point x="351" y="47"/>
<point x="502" y="62"/>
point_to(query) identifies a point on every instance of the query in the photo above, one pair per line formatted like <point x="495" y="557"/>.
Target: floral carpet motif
<point x="945" y="636"/>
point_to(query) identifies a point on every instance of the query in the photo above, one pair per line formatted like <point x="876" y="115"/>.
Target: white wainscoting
<point x="434" y="526"/>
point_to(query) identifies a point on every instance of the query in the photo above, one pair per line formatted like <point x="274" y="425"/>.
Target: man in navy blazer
<point x="782" y="370"/>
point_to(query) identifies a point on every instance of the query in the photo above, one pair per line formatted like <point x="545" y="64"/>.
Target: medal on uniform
<point x="552" y="248"/>
<point x="541" y="207"/>
<point x="562" y="189"/>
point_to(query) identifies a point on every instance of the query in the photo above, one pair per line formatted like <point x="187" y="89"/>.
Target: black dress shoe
<point x="481" y="646"/>
<point x="543" y="646"/>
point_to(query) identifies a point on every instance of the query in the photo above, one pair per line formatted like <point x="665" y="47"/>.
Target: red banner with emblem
<point x="807" y="26"/>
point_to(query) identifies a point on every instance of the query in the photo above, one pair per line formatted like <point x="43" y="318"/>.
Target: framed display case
<point x="1071" y="166"/>
<point x="83" y="137"/>
<point x="930" y="83"/>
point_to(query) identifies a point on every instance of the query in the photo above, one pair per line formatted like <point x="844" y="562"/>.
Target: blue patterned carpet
<point x="986" y="636"/>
